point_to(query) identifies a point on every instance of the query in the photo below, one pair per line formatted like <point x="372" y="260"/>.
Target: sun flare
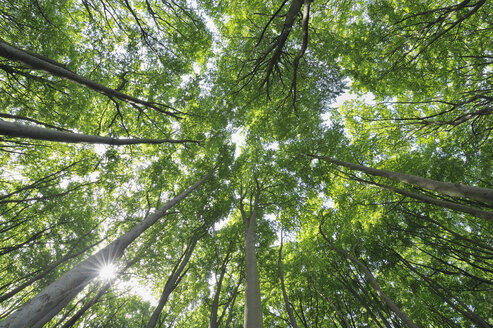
<point x="107" y="272"/>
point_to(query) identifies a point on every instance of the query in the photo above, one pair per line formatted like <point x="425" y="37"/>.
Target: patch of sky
<point x="221" y="223"/>
<point x="185" y="79"/>
<point x="209" y="24"/>
<point x="135" y="287"/>
<point x="100" y="150"/>
<point x="7" y="174"/>
<point x="238" y="139"/>
<point x="348" y="95"/>
<point x="196" y="68"/>
<point x="175" y="126"/>
<point x="327" y="201"/>
<point x="272" y="145"/>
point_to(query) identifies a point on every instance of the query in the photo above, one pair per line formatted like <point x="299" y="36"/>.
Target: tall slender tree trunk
<point x="477" y="212"/>
<point x="289" y="310"/>
<point x="232" y="304"/>
<point x="480" y="213"/>
<point x="13" y="129"/>
<point x="213" y="319"/>
<point x="173" y="280"/>
<point x="40" y="309"/>
<point x="371" y="279"/>
<point x="450" y="189"/>
<point x="253" y="305"/>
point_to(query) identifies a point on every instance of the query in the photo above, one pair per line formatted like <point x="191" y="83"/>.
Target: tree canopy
<point x="289" y="163"/>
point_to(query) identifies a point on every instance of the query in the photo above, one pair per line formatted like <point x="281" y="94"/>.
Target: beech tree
<point x="28" y="132"/>
<point x="229" y="164"/>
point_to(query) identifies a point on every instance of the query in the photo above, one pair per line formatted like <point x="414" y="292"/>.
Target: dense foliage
<point x="243" y="94"/>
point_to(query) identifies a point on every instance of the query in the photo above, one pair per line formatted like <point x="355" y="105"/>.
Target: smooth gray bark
<point x="37" y="61"/>
<point x="450" y="189"/>
<point x="373" y="282"/>
<point x="40" y="309"/>
<point x="253" y="305"/>
<point x="76" y="317"/>
<point x="23" y="118"/>
<point x="13" y="129"/>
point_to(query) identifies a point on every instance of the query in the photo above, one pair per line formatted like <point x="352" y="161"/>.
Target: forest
<point x="278" y="163"/>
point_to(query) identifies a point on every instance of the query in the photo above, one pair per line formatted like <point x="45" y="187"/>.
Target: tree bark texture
<point x="441" y="203"/>
<point x="290" y="18"/>
<point x="253" y="305"/>
<point x="44" y="273"/>
<point x="231" y="305"/>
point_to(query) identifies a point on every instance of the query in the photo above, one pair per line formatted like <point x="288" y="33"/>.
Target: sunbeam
<point x="107" y="272"/>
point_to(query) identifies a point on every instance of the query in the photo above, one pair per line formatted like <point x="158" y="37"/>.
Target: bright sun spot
<point x="107" y="272"/>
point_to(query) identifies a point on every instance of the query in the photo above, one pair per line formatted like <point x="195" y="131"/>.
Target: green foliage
<point x="426" y="64"/>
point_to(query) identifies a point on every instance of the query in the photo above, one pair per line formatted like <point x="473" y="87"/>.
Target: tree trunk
<point x="86" y="306"/>
<point x="213" y="320"/>
<point x="450" y="189"/>
<point x="45" y="272"/>
<point x="40" y="62"/>
<point x="40" y="309"/>
<point x="371" y="279"/>
<point x="289" y="21"/>
<point x="253" y="305"/>
<point x="231" y="305"/>
<point x="96" y="298"/>
<point x="292" y="319"/>
<point x="13" y="129"/>
<point x="173" y="280"/>
<point x="439" y="202"/>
